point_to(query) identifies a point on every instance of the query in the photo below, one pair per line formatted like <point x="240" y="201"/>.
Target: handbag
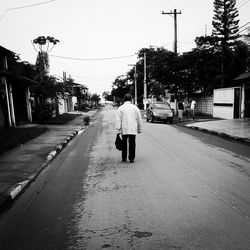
<point x="118" y="142"/>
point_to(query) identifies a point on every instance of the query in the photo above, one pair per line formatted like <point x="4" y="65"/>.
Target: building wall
<point x="225" y="103"/>
<point x="204" y="105"/>
<point x="62" y="106"/>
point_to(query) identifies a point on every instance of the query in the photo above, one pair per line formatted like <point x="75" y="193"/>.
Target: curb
<point x="223" y="135"/>
<point x="7" y="198"/>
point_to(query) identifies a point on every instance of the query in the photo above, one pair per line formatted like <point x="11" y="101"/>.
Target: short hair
<point x="128" y="97"/>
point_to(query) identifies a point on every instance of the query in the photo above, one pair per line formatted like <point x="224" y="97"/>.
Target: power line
<point x="24" y="6"/>
<point x="247" y="28"/>
<point x="30" y="5"/>
<point x="242" y="4"/>
<point x="92" y="59"/>
<point x="244" y="25"/>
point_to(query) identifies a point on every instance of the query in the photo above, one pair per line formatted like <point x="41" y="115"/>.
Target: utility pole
<point x="145" y="82"/>
<point x="135" y="86"/>
<point x="175" y="13"/>
<point x="135" y="76"/>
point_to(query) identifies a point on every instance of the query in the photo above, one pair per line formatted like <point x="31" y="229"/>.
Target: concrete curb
<point x="223" y="135"/>
<point x="7" y="198"/>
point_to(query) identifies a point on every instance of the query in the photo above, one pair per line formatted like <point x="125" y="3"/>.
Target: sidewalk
<point x="22" y="165"/>
<point x="236" y="129"/>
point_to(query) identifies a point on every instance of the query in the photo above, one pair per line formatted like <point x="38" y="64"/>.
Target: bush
<point x="86" y="120"/>
<point x="44" y="112"/>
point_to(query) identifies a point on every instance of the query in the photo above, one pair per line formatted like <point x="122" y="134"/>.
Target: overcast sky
<point x="101" y="29"/>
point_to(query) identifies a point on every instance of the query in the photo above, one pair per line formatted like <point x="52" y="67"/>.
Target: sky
<point x="99" y="39"/>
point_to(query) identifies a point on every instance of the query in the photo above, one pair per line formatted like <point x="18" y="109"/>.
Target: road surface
<point x="185" y="190"/>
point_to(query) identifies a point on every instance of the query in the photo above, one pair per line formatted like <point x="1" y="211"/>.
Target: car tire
<point x="152" y="119"/>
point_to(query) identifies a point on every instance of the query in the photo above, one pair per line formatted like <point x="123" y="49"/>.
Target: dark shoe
<point x="124" y="160"/>
<point x="131" y="161"/>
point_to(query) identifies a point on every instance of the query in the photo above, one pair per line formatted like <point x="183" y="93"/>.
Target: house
<point x="232" y="102"/>
<point x="76" y="98"/>
<point x="244" y="81"/>
<point x="227" y="102"/>
<point x="15" y="107"/>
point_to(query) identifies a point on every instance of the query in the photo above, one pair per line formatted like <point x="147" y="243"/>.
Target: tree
<point x="107" y="96"/>
<point x="159" y="70"/>
<point x="120" y="87"/>
<point x="95" y="98"/>
<point x="225" y="23"/>
<point x="44" y="45"/>
<point x="225" y="29"/>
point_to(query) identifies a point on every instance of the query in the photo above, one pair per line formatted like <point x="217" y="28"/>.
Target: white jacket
<point x="128" y="119"/>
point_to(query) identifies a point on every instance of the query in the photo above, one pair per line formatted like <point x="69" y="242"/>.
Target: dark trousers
<point x="128" y="145"/>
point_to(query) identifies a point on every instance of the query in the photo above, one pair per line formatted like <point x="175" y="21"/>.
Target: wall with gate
<point x="227" y="103"/>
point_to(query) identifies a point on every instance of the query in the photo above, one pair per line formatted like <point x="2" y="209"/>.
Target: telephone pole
<point x="175" y="13"/>
<point x="135" y="76"/>
<point x="145" y="82"/>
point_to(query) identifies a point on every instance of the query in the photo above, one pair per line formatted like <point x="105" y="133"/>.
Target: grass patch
<point x="13" y="137"/>
<point x="61" y="119"/>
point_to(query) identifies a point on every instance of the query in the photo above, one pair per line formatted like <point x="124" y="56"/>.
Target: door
<point x="236" y="103"/>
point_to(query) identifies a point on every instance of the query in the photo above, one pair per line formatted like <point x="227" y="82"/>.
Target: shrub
<point x="44" y="112"/>
<point x="86" y="120"/>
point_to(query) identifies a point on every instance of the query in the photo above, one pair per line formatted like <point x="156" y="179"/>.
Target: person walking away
<point x="127" y="124"/>
<point x="192" y="108"/>
<point x="180" y="110"/>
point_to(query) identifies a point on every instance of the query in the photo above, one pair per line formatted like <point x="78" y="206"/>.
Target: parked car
<point x="159" y="111"/>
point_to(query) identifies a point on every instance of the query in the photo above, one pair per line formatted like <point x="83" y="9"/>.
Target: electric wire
<point x="22" y="7"/>
<point x="92" y="59"/>
<point x="242" y="4"/>
<point x="30" y="5"/>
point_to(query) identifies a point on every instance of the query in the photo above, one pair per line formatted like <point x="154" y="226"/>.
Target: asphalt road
<point x="185" y="190"/>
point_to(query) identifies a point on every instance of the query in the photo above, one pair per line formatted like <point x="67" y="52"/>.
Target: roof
<point x="5" y="51"/>
<point x="22" y="79"/>
<point x="243" y="76"/>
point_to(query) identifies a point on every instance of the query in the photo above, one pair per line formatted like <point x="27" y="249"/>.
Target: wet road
<point x="182" y="192"/>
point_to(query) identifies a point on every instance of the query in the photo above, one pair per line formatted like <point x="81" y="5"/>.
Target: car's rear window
<point x="161" y="106"/>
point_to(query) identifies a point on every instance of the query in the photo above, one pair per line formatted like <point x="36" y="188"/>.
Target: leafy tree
<point x="95" y="98"/>
<point x="120" y="87"/>
<point x="159" y="62"/>
<point x="206" y="43"/>
<point x="107" y="96"/>
<point x="45" y="45"/>
<point x="225" y="29"/>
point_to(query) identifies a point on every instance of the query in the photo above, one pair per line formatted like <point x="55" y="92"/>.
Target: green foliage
<point x="120" y="88"/>
<point x="225" y="22"/>
<point x="42" y="40"/>
<point x="95" y="98"/>
<point x="44" y="112"/>
<point x="86" y="120"/>
<point x="42" y="63"/>
<point x="107" y="96"/>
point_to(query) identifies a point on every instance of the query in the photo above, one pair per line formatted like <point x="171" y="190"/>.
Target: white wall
<point x="224" y="103"/>
<point x="74" y="101"/>
<point x="61" y="106"/>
